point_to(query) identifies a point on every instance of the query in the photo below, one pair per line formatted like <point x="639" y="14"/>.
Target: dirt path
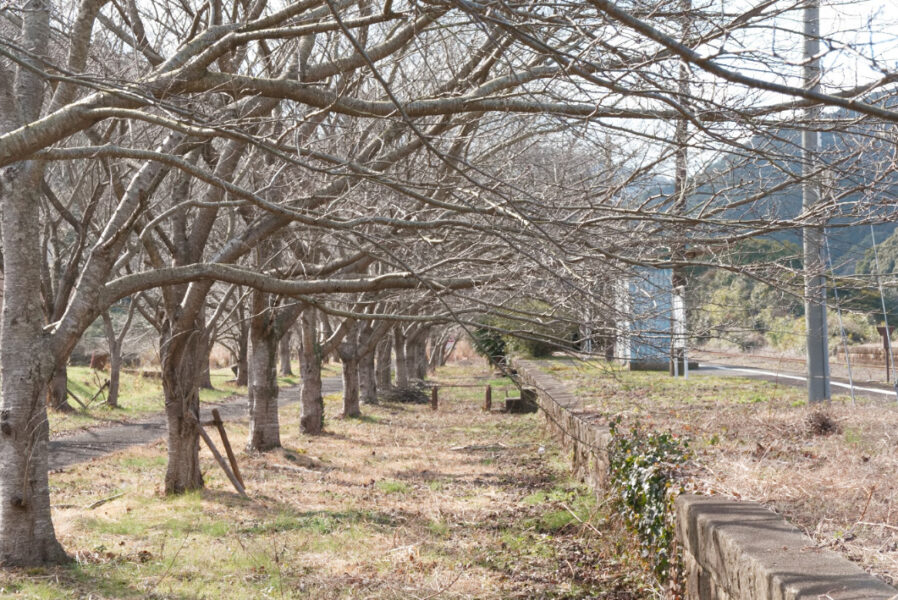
<point x="99" y="441"/>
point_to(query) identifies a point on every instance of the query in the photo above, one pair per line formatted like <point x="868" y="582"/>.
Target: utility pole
<point x="814" y="283"/>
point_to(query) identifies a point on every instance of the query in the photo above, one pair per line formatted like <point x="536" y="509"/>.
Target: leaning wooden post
<point x="219" y="424"/>
<point x="488" y="399"/>
<point x="434" y="398"/>
<point x="221" y="461"/>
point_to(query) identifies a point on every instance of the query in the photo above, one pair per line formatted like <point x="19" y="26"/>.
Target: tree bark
<point x="441" y="347"/>
<point x="348" y="353"/>
<point x="416" y="353"/>
<point x="367" y="379"/>
<point x="115" y="370"/>
<point x="243" y="354"/>
<point x="264" y="428"/>
<point x="181" y="372"/>
<point x="407" y="364"/>
<point x="311" y="419"/>
<point x="401" y="364"/>
<point x="206" y="373"/>
<point x="351" y="387"/>
<point x="366" y="372"/>
<point x="384" y="363"/>
<point x="57" y="390"/>
<point x="284" y="354"/>
<point x="115" y="344"/>
<point x="27" y="536"/>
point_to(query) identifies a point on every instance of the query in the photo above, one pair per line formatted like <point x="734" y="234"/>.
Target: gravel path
<point x="99" y="441"/>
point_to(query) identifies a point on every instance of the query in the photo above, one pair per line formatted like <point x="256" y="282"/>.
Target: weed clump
<point x="415" y="393"/>
<point x="822" y="424"/>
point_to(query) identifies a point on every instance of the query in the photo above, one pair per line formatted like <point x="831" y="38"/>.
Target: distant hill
<point x="858" y="156"/>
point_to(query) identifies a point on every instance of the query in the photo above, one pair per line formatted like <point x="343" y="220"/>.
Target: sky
<point x="868" y="30"/>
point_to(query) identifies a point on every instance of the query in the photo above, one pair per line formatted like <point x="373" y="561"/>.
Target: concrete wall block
<point x="751" y="553"/>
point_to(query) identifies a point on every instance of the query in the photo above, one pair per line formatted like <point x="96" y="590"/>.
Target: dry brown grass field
<point x="830" y="470"/>
<point x="402" y="503"/>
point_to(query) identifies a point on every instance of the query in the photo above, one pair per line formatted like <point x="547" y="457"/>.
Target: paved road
<point x="839" y="386"/>
<point x="99" y="441"/>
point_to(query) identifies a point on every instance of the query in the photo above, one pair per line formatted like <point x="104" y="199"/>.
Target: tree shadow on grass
<point x="77" y="580"/>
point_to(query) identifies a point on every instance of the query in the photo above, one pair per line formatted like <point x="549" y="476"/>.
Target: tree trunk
<point x="57" y="390"/>
<point x="442" y="346"/>
<point x="383" y="363"/>
<point x="284" y="352"/>
<point x="348" y="351"/>
<point x="351" y="387"/>
<point x="181" y="353"/>
<point x="264" y="428"/>
<point x="27" y="536"/>
<point x="206" y="375"/>
<point x="401" y="364"/>
<point x="416" y="354"/>
<point x="115" y="370"/>
<point x="242" y="355"/>
<point x="115" y="343"/>
<point x="407" y="363"/>
<point x="367" y="379"/>
<point x="311" y="419"/>
<point x="26" y="529"/>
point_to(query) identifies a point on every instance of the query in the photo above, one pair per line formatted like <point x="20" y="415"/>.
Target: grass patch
<point x="440" y="529"/>
<point x="392" y="487"/>
<point x="139" y="397"/>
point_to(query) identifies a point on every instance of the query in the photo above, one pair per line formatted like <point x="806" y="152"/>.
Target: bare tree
<point x="467" y="132"/>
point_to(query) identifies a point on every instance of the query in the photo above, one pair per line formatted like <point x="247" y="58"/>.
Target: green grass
<point x="143" y="462"/>
<point x="140" y="396"/>
<point x="613" y="389"/>
<point x="564" y="504"/>
<point x="392" y="487"/>
<point x="439" y="528"/>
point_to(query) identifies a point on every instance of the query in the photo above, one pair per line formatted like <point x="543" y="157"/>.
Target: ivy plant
<point x="642" y="468"/>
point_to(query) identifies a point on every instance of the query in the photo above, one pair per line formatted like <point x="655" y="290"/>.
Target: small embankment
<point x="727" y="549"/>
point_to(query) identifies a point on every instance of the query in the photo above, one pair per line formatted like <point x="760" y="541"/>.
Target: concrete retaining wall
<point x="586" y="439"/>
<point x="731" y="550"/>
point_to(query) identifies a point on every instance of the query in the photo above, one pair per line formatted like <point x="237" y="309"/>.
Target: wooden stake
<point x="221" y="461"/>
<point x="219" y="424"/>
<point x="99" y="391"/>
<point x="488" y="399"/>
<point x="76" y="398"/>
<point x="434" y="398"/>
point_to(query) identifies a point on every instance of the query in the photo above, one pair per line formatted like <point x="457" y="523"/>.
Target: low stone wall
<point x="586" y="439"/>
<point x="731" y="550"/>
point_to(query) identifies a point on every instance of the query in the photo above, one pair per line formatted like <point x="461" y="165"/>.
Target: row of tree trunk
<point x="365" y="350"/>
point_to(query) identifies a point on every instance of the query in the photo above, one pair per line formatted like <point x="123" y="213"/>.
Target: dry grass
<point x="403" y="503"/>
<point x="829" y="471"/>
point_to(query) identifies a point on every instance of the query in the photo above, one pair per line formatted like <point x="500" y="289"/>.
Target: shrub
<point x="490" y="344"/>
